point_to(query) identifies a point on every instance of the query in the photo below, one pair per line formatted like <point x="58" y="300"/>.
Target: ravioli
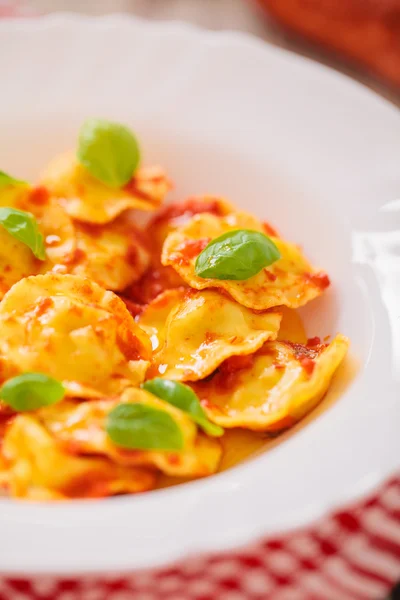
<point x="291" y="281"/>
<point x="80" y="428"/>
<point x="37" y="468"/>
<point x="73" y="330"/>
<point x="277" y="387"/>
<point x="195" y="332"/>
<point x="154" y="316"/>
<point x="159" y="278"/>
<point x="16" y="259"/>
<point x="87" y="199"/>
<point x="117" y="302"/>
<point x="113" y="255"/>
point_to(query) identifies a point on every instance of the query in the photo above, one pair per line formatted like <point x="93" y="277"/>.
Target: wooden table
<point x="213" y="14"/>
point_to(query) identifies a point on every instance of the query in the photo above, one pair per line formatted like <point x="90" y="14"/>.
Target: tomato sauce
<point x="308" y="365"/>
<point x="75" y="257"/>
<point x="42" y="306"/>
<point x="132" y="188"/>
<point x="132" y="255"/>
<point x="39" y="195"/>
<point x="94" y="231"/>
<point x="188" y="250"/>
<point x="269" y="230"/>
<point x="187" y="209"/>
<point x="152" y="284"/>
<point x="320" y="280"/>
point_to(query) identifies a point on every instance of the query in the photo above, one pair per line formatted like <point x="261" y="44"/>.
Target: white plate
<point x="302" y="146"/>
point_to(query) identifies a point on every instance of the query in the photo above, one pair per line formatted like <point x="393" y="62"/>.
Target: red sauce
<point x="73" y="447"/>
<point x="315" y="341"/>
<point x="235" y="363"/>
<point x="7" y="269"/>
<point x="271" y="276"/>
<point x="164" y="299"/>
<point x="75" y="257"/>
<point x="320" y="280"/>
<point x="188" y="208"/>
<point x="173" y="459"/>
<point x="42" y="306"/>
<point x="132" y="188"/>
<point x="94" y="231"/>
<point x="152" y="284"/>
<point x="191" y="248"/>
<point x="91" y="485"/>
<point x="269" y="230"/>
<point x="7" y="416"/>
<point x="76" y="311"/>
<point x="86" y="289"/>
<point x="130" y="455"/>
<point x="301" y="351"/>
<point x="130" y="347"/>
<point x="210" y="337"/>
<point x="132" y="255"/>
<point x="40" y="195"/>
<point x="80" y="190"/>
<point x="308" y="365"/>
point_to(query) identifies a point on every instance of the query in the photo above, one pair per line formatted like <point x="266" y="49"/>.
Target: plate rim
<point x="307" y="515"/>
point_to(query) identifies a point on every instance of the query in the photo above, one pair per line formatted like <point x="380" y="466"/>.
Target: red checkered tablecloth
<point x="350" y="555"/>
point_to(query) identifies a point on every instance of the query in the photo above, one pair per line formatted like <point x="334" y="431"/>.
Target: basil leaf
<point x="31" y="391"/>
<point x="23" y="226"/>
<point x="183" y="397"/>
<point x="6" y="180"/>
<point x="142" y="427"/>
<point x="238" y="255"/>
<point x="109" y="151"/>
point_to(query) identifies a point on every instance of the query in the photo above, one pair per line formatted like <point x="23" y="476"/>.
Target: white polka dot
<point x="45" y="586"/>
<point x="141" y="581"/>
<point x="330" y="529"/>
<point x="223" y="569"/>
<point x="201" y="587"/>
<point x="256" y="582"/>
<point x="282" y="562"/>
<point x="94" y="593"/>
<point x="169" y="584"/>
<point x="89" y="583"/>
<point x="304" y="546"/>
<point x="194" y="566"/>
<point x="290" y="595"/>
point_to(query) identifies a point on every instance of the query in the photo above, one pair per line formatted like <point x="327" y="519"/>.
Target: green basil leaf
<point x="238" y="255"/>
<point x="6" y="180"/>
<point x="31" y="391"/>
<point x="109" y="151"/>
<point x="23" y="226"/>
<point x="183" y="397"/>
<point x="142" y="427"/>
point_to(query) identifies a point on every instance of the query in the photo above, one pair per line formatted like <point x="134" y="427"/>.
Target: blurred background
<point x="358" y="37"/>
